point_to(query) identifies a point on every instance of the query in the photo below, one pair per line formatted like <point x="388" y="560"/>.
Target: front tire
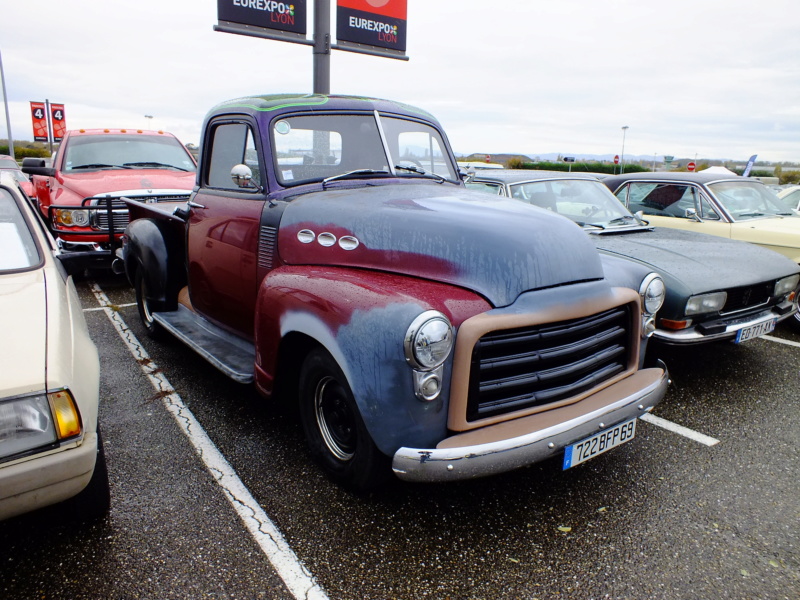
<point x="335" y="432"/>
<point x="94" y="501"/>
<point x="147" y="307"/>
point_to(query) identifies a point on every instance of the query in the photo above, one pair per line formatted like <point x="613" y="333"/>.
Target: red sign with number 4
<point x="59" y="121"/>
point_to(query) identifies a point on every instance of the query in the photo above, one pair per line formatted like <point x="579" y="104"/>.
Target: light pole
<point x="149" y="120"/>
<point x="8" y="118"/>
<point x="622" y="155"/>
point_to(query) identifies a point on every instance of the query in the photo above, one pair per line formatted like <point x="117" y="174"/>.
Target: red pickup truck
<point x="332" y="255"/>
<point x="79" y="195"/>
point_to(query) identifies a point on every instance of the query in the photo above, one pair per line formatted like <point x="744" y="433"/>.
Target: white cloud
<point x="688" y="78"/>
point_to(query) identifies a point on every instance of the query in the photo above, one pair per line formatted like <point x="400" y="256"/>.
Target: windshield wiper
<point x="752" y="214"/>
<point x="98" y="166"/>
<point x="597" y="225"/>
<point x="420" y="171"/>
<point x="355" y="173"/>
<point x="152" y="164"/>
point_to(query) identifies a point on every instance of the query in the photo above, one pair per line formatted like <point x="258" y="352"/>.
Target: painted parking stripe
<point x="295" y="575"/>
<point x="780" y="341"/>
<point x="679" y="429"/>
<point x="112" y="306"/>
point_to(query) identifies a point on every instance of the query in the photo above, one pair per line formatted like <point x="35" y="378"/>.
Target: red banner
<point x="39" y="116"/>
<point x="59" y="121"/>
<point x="377" y="23"/>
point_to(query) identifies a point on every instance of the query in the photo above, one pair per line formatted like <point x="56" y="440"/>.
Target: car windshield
<point x="587" y="202"/>
<point x="746" y="200"/>
<point x="17" y="247"/>
<point x="126" y="151"/>
<point x="8" y="163"/>
<point x="791" y="199"/>
<point x="319" y="147"/>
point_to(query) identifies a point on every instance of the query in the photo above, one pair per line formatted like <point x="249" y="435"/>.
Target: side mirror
<point x="36" y="166"/>
<point x="691" y="213"/>
<point x="242" y="176"/>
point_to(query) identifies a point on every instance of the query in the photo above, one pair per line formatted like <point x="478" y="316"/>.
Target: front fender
<point x="150" y="246"/>
<point x="361" y="317"/>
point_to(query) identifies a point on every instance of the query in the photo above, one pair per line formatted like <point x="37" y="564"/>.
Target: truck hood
<point x="23" y="320"/>
<point x="497" y="247"/>
<point x="90" y="184"/>
<point x="696" y="262"/>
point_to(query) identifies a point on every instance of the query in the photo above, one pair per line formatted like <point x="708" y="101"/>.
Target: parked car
<point x="80" y="194"/>
<point x="10" y="165"/>
<point x="716" y="289"/>
<point x="50" y="445"/>
<point x="332" y="253"/>
<point x="725" y="205"/>
<point x="791" y="198"/>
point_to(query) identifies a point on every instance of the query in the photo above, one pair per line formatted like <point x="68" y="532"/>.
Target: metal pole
<point x="49" y="125"/>
<point x="622" y="156"/>
<point x="8" y="118"/>
<point x="322" y="47"/>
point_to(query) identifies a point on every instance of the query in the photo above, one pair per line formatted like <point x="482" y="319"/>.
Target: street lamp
<point x="149" y="120"/>
<point x="622" y="155"/>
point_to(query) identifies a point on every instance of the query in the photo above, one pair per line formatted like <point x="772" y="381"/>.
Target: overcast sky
<point x="704" y="78"/>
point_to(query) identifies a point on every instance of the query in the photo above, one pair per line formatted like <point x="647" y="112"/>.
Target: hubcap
<point x="334" y="418"/>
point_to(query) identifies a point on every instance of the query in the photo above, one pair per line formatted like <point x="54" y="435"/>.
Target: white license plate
<point x="754" y="331"/>
<point x="597" y="444"/>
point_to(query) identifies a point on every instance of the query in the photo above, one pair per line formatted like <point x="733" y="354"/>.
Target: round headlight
<point x="429" y="340"/>
<point x="653" y="291"/>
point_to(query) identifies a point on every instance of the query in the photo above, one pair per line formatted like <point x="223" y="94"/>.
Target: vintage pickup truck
<point x="332" y="255"/>
<point x="79" y="195"/>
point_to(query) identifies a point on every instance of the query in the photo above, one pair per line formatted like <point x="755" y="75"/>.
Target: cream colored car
<point x="50" y="446"/>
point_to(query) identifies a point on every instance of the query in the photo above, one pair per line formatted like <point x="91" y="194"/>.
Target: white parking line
<point x="295" y="575"/>
<point x="97" y="308"/>
<point x="679" y="429"/>
<point x="780" y="341"/>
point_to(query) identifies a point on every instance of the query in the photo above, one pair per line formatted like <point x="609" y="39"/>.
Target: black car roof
<point x="702" y="178"/>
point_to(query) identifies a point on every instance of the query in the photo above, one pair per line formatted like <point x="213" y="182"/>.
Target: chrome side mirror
<point x="691" y="213"/>
<point x="242" y="176"/>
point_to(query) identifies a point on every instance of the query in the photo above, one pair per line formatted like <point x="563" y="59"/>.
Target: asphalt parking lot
<point x="214" y="496"/>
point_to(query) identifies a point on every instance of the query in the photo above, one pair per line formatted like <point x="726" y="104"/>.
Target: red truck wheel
<point x="337" y="437"/>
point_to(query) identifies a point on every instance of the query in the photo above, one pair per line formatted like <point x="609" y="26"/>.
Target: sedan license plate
<point x="754" y="331"/>
<point x="599" y="443"/>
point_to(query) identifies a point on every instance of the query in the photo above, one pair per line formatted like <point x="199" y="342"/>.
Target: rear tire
<point x="147" y="307"/>
<point x="335" y="432"/>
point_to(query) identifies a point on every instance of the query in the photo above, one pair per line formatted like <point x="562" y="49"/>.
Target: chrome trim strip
<point x="692" y="336"/>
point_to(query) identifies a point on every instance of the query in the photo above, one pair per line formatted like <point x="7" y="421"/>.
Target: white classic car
<point x="50" y="446"/>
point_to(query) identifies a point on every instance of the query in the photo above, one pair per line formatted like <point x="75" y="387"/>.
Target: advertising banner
<point x="39" y="116"/>
<point x="378" y="23"/>
<point x="59" y="121"/>
<point x="287" y="16"/>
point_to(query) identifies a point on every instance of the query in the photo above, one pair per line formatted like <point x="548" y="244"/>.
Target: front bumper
<point x="42" y="480"/>
<point x="724" y="328"/>
<point x="512" y="444"/>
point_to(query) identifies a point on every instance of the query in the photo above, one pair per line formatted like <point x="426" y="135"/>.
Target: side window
<point x="706" y="211"/>
<point x="660" y="199"/>
<point x="232" y="144"/>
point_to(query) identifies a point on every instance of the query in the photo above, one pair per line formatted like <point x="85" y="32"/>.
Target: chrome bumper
<point x="458" y="458"/>
<point x="732" y="326"/>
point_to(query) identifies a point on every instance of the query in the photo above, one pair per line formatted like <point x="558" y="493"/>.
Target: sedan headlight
<point x="72" y="218"/>
<point x="653" y="291"/>
<point x="706" y="303"/>
<point x="29" y="422"/>
<point x="429" y="340"/>
<point x="786" y="285"/>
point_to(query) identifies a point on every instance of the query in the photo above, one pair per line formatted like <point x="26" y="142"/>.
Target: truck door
<point x="222" y="238"/>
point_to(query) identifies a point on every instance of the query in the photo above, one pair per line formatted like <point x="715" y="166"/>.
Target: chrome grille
<point x="750" y="296"/>
<point x="99" y="218"/>
<point x="532" y="366"/>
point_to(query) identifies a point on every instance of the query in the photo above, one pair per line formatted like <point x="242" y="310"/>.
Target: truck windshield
<point x="127" y="151"/>
<point x="317" y="147"/>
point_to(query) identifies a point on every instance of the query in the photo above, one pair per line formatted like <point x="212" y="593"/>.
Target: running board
<point x="230" y="354"/>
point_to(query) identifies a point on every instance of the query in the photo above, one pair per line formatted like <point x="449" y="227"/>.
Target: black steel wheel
<point x="335" y="432"/>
